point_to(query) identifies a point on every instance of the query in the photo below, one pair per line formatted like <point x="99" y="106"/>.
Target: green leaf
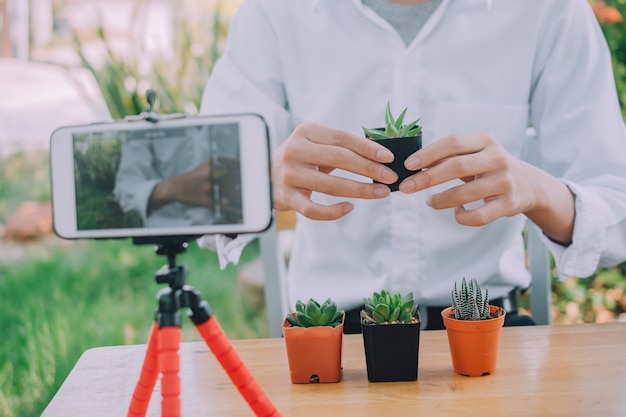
<point x="379" y="318"/>
<point x="400" y="119"/>
<point x="293" y="321"/>
<point x="300" y="306"/>
<point x="394" y="316"/>
<point x="336" y="321"/>
<point x="313" y="311"/>
<point x="304" y="319"/>
<point x="374" y="134"/>
<point x="407" y="130"/>
<point x="388" y="116"/>
<point x="392" y="131"/>
<point x="383" y="310"/>
<point x="328" y="314"/>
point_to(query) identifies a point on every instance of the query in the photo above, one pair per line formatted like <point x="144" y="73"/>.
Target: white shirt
<point x="477" y="65"/>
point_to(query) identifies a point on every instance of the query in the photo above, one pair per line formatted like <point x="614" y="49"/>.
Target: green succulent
<point x="313" y="314"/>
<point x="387" y="308"/>
<point x="469" y="303"/>
<point x="394" y="128"/>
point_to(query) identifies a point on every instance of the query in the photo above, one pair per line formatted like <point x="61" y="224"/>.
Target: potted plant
<point x="391" y="329"/>
<point x="313" y="337"/>
<point x="400" y="138"/>
<point x="473" y="327"/>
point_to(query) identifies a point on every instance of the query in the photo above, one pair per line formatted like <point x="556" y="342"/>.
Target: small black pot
<point x="401" y="148"/>
<point x="391" y="351"/>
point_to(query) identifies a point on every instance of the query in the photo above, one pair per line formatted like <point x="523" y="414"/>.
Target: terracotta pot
<point x="391" y="351"/>
<point x="314" y="353"/>
<point x="474" y="345"/>
<point x="401" y="148"/>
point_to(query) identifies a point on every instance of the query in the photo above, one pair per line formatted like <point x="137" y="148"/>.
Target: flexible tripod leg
<point x="169" y="338"/>
<point x="162" y="357"/>
<point x="147" y="378"/>
<point x="248" y="387"/>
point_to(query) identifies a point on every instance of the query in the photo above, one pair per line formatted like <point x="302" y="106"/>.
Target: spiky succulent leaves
<point x="375" y="134"/>
<point x="384" y="307"/>
<point x="394" y="128"/>
<point x="469" y="303"/>
<point x="313" y="314"/>
<point x="330" y="316"/>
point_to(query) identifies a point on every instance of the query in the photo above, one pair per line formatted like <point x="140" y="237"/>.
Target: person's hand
<point x="506" y="185"/>
<point x="192" y="188"/>
<point x="303" y="163"/>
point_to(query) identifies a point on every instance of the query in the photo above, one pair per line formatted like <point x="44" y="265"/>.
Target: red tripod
<point x="163" y="345"/>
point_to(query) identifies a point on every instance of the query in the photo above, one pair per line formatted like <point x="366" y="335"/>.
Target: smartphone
<point x="186" y="176"/>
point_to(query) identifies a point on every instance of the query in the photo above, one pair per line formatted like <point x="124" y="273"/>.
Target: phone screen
<point x="158" y="179"/>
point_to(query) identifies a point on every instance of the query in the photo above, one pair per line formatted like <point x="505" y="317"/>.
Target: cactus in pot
<point x="473" y="327"/>
<point x="402" y="139"/>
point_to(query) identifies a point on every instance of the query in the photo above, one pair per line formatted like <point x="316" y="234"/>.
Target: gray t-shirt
<point x="407" y="19"/>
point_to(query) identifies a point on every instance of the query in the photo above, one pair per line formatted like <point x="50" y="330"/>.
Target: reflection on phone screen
<point x="116" y="173"/>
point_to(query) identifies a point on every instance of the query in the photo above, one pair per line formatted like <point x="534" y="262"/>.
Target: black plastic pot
<point x="401" y="148"/>
<point x="391" y="351"/>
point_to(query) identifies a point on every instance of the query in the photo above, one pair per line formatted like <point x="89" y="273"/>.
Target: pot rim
<point x="491" y="308"/>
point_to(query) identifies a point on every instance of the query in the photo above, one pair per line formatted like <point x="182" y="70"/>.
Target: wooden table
<point x="574" y="370"/>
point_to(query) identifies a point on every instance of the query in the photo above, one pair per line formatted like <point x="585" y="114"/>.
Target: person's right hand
<point x="303" y="163"/>
<point x="192" y="188"/>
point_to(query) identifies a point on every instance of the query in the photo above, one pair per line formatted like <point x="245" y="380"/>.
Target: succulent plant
<point x="394" y="128"/>
<point x="469" y="303"/>
<point x="387" y="308"/>
<point x="313" y="314"/>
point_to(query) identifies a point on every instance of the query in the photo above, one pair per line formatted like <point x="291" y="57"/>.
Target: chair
<point x="538" y="255"/>
<point x="272" y="244"/>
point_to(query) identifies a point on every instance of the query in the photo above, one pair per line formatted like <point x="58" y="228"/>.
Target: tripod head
<point x="172" y="274"/>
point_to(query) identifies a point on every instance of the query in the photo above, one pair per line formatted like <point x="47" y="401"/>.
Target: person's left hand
<point x="505" y="184"/>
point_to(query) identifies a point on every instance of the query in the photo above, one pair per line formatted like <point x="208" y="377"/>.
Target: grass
<point x="60" y="298"/>
<point x="66" y="298"/>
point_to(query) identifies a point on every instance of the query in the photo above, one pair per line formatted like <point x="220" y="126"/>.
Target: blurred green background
<point x="60" y="298"/>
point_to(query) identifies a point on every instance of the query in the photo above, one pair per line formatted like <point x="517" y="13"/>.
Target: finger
<point x="303" y="205"/>
<point x="480" y="189"/>
<point x="487" y="213"/>
<point x="459" y="167"/>
<point x="337" y="157"/>
<point x="447" y="147"/>
<point x="325" y="135"/>
<point x="338" y="186"/>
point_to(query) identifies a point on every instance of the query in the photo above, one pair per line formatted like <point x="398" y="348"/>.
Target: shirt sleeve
<point x="248" y="76"/>
<point x="576" y="113"/>
<point x="135" y="179"/>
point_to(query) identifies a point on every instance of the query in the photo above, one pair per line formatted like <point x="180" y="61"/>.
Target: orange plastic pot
<point x="474" y="345"/>
<point x="314" y="353"/>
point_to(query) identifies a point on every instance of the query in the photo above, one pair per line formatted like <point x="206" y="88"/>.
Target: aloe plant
<point x="469" y="303"/>
<point x="313" y="314"/>
<point x="384" y="307"/>
<point x="394" y="128"/>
